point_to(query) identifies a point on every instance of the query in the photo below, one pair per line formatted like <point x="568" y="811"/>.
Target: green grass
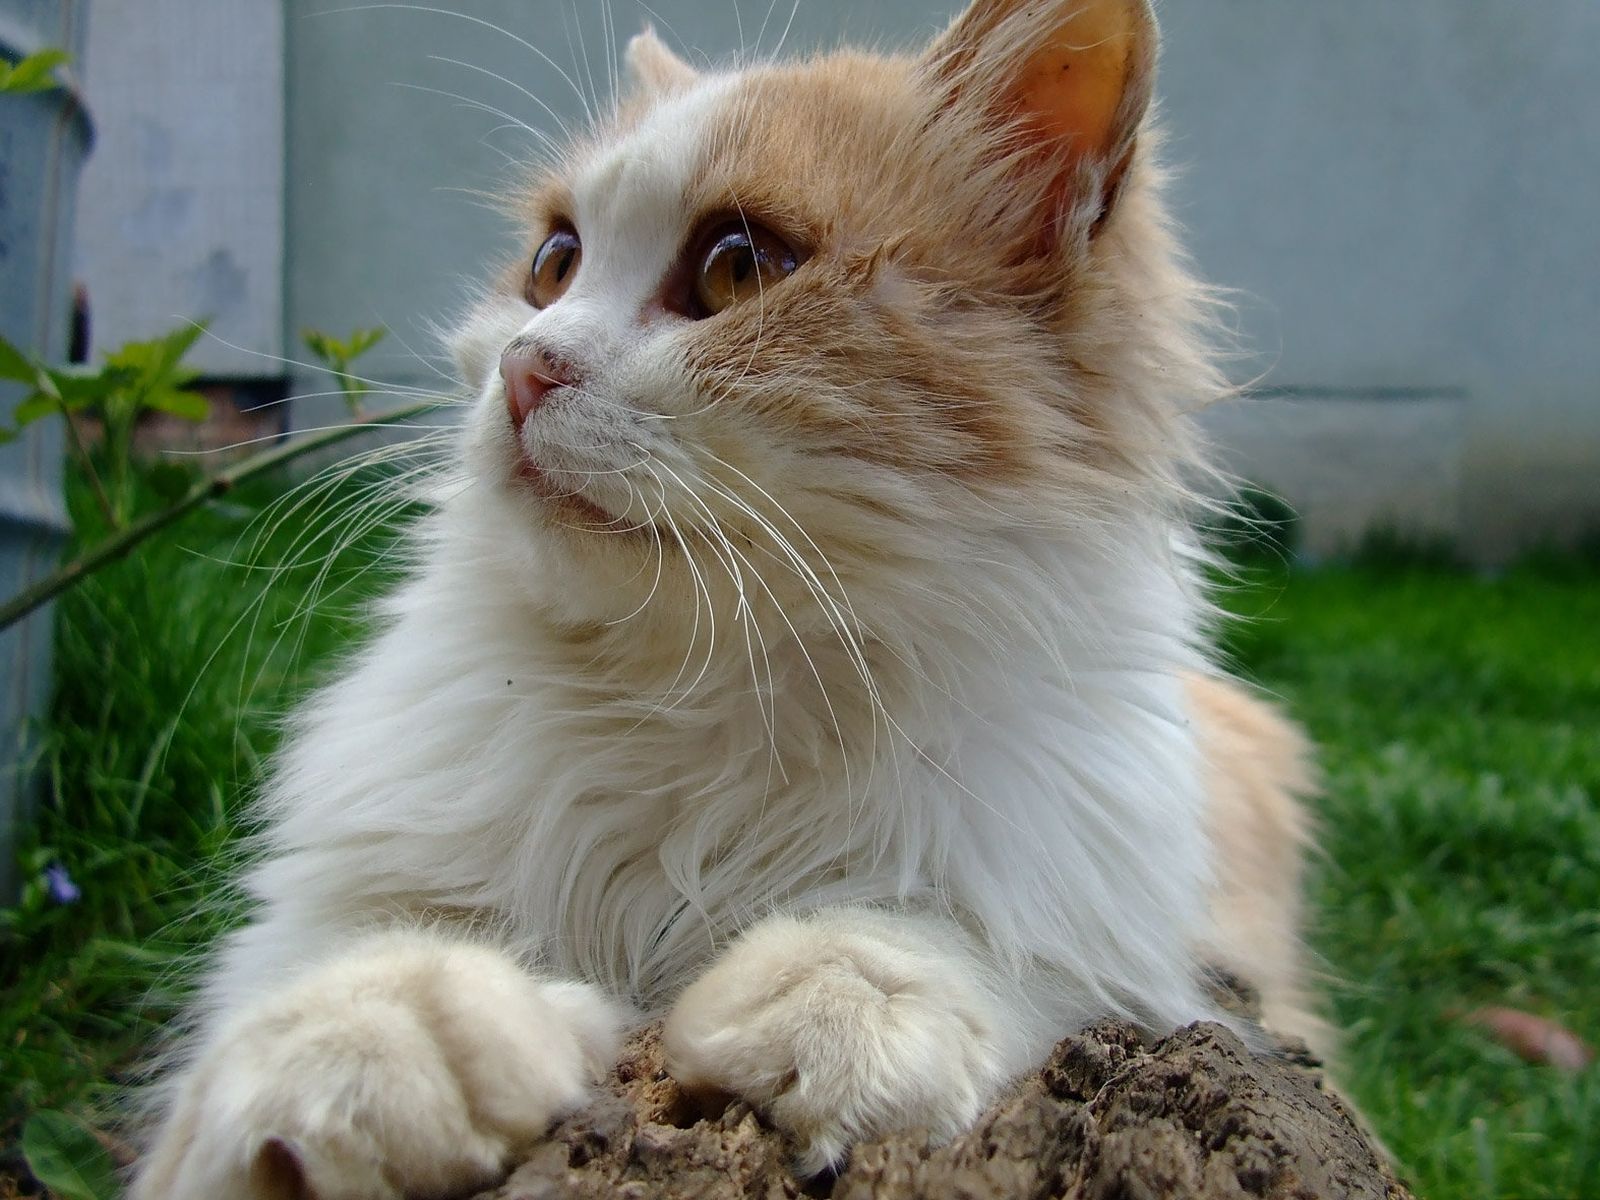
<point x="1459" y="719"/>
<point x="172" y="668"/>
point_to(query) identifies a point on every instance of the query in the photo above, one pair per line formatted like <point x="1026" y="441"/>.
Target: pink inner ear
<point x="1075" y="86"/>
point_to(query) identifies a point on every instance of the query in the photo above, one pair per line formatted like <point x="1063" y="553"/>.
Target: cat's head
<point x="855" y="319"/>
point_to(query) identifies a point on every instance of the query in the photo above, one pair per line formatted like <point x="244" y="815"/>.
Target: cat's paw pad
<point x="838" y="1034"/>
<point x="413" y="1067"/>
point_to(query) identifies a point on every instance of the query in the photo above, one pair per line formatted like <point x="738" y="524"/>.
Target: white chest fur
<point x="1035" y="777"/>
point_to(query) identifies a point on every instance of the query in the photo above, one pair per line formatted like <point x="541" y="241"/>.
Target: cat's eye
<point x="554" y="268"/>
<point x="740" y="262"/>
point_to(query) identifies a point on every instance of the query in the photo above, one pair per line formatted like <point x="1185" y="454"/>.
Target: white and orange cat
<point x="818" y="658"/>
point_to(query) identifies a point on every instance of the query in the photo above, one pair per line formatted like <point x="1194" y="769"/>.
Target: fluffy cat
<point x="817" y="658"/>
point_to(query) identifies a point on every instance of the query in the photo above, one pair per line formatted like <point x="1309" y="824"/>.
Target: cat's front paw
<point x="411" y="1066"/>
<point x="841" y="1027"/>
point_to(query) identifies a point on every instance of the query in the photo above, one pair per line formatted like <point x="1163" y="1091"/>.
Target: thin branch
<point x="81" y="453"/>
<point x="218" y="485"/>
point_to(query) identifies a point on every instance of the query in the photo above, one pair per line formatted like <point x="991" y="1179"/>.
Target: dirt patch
<point x="1109" y="1117"/>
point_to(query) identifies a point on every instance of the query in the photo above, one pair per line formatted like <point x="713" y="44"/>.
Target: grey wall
<point x="181" y="214"/>
<point x="43" y="139"/>
<point x="1406" y="194"/>
<point x="1401" y="191"/>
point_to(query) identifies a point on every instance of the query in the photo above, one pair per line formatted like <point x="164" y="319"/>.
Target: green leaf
<point x="136" y="358"/>
<point x="35" y="408"/>
<point x="14" y="364"/>
<point x="158" y="355"/>
<point x="363" y="340"/>
<point x="33" y="74"/>
<point x="67" y="1158"/>
<point x="81" y="387"/>
<point x="145" y="375"/>
<point x="178" y="343"/>
<point x="7" y="436"/>
<point x="338" y="354"/>
<point x="319" y="344"/>
<point x="191" y="406"/>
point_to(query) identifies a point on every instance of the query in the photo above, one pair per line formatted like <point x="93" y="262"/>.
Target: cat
<point x="817" y="659"/>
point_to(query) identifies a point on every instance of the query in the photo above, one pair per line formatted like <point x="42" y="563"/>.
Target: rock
<point x="1109" y="1117"/>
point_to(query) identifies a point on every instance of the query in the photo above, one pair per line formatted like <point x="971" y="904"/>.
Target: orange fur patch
<point x="1258" y="770"/>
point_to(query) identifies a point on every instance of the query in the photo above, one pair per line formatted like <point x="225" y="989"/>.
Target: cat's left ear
<point x="1071" y="79"/>
<point x="653" y="69"/>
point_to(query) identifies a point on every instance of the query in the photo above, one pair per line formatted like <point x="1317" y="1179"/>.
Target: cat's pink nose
<point x="530" y="376"/>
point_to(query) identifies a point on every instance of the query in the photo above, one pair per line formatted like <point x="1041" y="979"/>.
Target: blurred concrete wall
<point x="181" y="212"/>
<point x="43" y="140"/>
<point x="1402" y="192"/>
<point x="1405" y="192"/>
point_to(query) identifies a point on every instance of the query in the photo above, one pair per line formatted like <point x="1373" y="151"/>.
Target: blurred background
<point x="1401" y="193"/>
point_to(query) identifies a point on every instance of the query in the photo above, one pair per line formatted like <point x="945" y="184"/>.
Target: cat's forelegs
<point x="410" y="1064"/>
<point x="845" y="1025"/>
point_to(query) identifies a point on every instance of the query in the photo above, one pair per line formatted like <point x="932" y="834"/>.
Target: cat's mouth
<point x="563" y="498"/>
<point x="566" y="457"/>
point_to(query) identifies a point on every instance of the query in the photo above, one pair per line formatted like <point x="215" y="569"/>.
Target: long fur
<point x="899" y="609"/>
<point x="978" y="705"/>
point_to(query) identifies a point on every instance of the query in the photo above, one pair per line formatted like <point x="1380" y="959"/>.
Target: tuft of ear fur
<point x="653" y="69"/>
<point x="1071" y="80"/>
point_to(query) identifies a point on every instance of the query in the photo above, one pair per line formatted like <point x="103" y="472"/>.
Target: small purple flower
<point x="59" y="886"/>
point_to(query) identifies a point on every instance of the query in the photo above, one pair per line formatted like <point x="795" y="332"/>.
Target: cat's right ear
<point x="1063" y="85"/>
<point x="654" y="70"/>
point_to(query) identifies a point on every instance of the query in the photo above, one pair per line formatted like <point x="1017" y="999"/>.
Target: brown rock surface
<point x="1109" y="1117"/>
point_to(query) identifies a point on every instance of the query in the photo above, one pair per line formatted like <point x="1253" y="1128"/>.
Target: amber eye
<point x="740" y="263"/>
<point x="554" y="268"/>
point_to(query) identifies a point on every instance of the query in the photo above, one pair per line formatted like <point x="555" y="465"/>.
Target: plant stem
<point x="81" y="453"/>
<point x="220" y="484"/>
